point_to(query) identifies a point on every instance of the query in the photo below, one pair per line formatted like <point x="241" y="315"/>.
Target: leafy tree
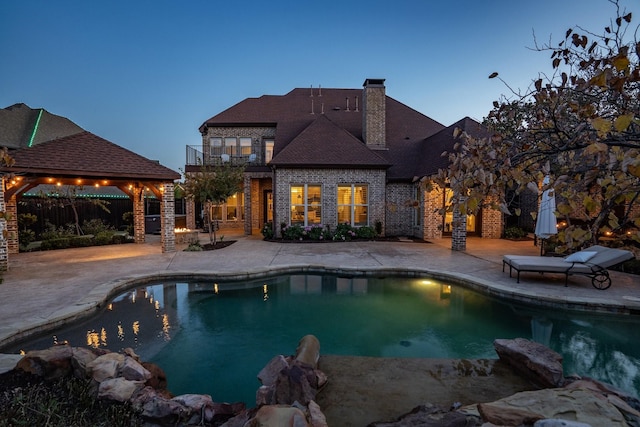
<point x="580" y="125"/>
<point x="213" y="185"/>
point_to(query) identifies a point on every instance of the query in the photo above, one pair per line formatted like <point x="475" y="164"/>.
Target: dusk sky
<point x="146" y="74"/>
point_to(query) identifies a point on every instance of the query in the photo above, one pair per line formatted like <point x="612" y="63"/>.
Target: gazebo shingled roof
<point x="89" y="156"/>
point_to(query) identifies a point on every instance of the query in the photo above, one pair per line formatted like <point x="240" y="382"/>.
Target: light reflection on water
<point x="213" y="338"/>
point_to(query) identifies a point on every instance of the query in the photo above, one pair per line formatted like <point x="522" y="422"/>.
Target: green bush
<point x="81" y="241"/>
<point x="267" y="230"/>
<point x="26" y="236"/>
<point x="344" y="232"/>
<point x="514" y="233"/>
<point x="366" y="232"/>
<point x="292" y="232"/>
<point x="194" y="247"/>
<point x="57" y="243"/>
<point x="104" y="238"/>
<point x="95" y="226"/>
<point x="52" y="232"/>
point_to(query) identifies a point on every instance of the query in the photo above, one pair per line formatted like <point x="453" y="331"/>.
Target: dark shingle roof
<point x="325" y="144"/>
<point x="293" y="113"/>
<point x="431" y="158"/>
<point x="88" y="155"/>
<point x="21" y="125"/>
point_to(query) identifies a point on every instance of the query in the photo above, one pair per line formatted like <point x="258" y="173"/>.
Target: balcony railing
<point x="197" y="156"/>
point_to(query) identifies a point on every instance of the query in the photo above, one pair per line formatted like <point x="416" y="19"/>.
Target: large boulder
<point x="118" y="389"/>
<point x="106" y="366"/>
<point x="429" y="415"/>
<point x="158" y="379"/>
<point x="80" y="360"/>
<point x="134" y="371"/>
<point x="54" y="362"/>
<point x="269" y="374"/>
<point x="308" y="351"/>
<point x="535" y="361"/>
<point x="279" y="416"/>
<point x="527" y="407"/>
<point x="296" y="383"/>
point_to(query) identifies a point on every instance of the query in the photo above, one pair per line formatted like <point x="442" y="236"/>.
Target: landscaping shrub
<point x="292" y="232"/>
<point x="26" y="236"/>
<point x="56" y="243"/>
<point x="366" y="232"/>
<point x="95" y="226"/>
<point x="344" y="232"/>
<point x="81" y="241"/>
<point x="53" y="232"/>
<point x="104" y="238"/>
<point x="267" y="230"/>
<point x="514" y="233"/>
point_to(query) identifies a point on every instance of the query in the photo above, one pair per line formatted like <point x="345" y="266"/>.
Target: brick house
<point x="329" y="156"/>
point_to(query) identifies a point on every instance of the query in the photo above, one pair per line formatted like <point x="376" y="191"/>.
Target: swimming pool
<point x="214" y="338"/>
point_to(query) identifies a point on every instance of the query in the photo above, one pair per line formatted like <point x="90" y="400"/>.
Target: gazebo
<point x="85" y="159"/>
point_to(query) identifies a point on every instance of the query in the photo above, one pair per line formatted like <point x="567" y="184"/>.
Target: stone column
<point x="249" y="196"/>
<point x="492" y="220"/>
<point x="138" y="214"/>
<point x="191" y="213"/>
<point x="168" y="218"/>
<point x="11" y="211"/>
<point x="432" y="225"/>
<point x="459" y="232"/>
<point x="4" y="245"/>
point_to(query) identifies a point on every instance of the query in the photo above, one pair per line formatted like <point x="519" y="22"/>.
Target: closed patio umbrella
<point x="546" y="222"/>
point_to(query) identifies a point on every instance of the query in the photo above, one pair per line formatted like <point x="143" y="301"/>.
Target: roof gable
<point x="325" y="144"/>
<point x="431" y="158"/>
<point x="86" y="154"/>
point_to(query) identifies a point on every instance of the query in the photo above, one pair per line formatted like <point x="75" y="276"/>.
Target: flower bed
<point x="320" y="233"/>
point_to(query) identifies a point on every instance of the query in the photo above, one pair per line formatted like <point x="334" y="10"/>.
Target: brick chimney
<point x="374" y="128"/>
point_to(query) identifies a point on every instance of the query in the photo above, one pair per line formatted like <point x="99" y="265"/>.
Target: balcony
<point x="197" y="156"/>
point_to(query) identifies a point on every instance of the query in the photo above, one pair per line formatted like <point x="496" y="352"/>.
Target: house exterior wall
<point x="329" y="179"/>
<point x="399" y="209"/>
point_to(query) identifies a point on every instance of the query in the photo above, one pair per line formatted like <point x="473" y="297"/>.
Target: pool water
<point x="213" y="338"/>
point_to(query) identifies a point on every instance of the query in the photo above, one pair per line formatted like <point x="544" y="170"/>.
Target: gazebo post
<point x="138" y="214"/>
<point x="4" y="244"/>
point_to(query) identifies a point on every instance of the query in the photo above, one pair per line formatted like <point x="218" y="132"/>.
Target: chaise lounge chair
<point x="591" y="262"/>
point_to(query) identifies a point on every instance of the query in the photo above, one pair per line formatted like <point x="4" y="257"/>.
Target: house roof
<point x="431" y="158"/>
<point x="22" y="126"/>
<point x="87" y="155"/>
<point x="293" y="114"/>
<point x="324" y="143"/>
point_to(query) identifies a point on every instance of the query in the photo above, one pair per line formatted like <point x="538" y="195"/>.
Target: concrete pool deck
<point x="52" y="287"/>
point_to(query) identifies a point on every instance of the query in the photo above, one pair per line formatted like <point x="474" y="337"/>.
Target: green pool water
<point x="214" y="338"/>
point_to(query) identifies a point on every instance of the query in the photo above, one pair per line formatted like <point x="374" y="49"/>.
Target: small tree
<point x="213" y="185"/>
<point x="580" y="125"/>
<point x="67" y="195"/>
